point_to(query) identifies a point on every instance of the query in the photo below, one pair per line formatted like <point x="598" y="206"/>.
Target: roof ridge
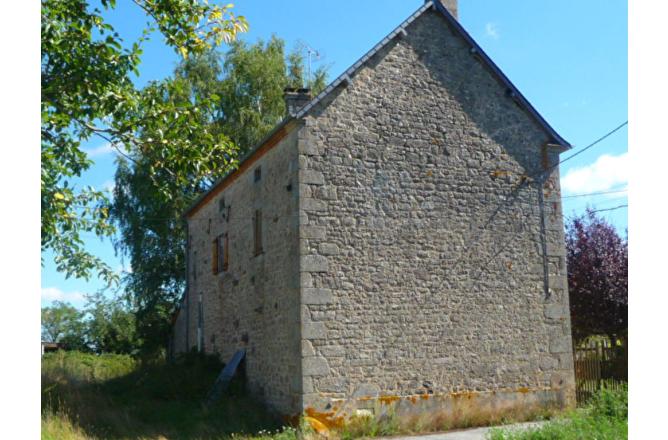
<point x="346" y="75"/>
<point x="514" y="92"/>
<point x="475" y="49"/>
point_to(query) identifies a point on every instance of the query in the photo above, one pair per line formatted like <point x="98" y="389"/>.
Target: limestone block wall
<point x="255" y="303"/>
<point x="425" y="241"/>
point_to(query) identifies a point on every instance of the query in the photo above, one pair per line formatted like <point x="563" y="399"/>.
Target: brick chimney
<point x="450" y="5"/>
<point x="295" y="99"/>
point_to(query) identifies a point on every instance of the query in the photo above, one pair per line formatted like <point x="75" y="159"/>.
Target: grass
<point x="604" y="418"/>
<point x="368" y="426"/>
<point x="466" y="414"/>
<point x="113" y="397"/>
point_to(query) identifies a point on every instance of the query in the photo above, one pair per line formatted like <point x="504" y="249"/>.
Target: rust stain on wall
<point x="328" y="419"/>
<point x="387" y="400"/>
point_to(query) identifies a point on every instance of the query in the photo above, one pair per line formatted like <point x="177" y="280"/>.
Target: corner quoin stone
<point x="314" y="330"/>
<point x="311" y="295"/>
<point x="560" y="344"/>
<point x="308" y="231"/>
<point x="313" y="177"/>
<point x="315" y="366"/>
<point x="554" y="311"/>
<point x="314" y="263"/>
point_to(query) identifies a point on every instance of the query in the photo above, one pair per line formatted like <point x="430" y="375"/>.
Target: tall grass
<point x="604" y="418"/>
<point x="113" y="397"/>
<point x="465" y="414"/>
<point x="85" y="367"/>
<point x="86" y="396"/>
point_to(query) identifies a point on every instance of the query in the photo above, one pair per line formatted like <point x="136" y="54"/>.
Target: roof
<point x="50" y="344"/>
<point x="346" y="76"/>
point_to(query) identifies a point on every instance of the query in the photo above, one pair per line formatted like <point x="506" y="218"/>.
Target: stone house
<point x="396" y="241"/>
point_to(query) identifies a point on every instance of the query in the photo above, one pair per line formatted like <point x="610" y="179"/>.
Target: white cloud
<point x="55" y="294"/>
<point x="492" y="30"/>
<point x="109" y="186"/>
<point x="605" y="174"/>
<point x="122" y="269"/>
<point x="102" y="150"/>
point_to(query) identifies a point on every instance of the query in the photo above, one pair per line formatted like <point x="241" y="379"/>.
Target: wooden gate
<point x="599" y="364"/>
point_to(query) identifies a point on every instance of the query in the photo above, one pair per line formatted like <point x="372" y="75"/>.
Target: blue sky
<point x="568" y="57"/>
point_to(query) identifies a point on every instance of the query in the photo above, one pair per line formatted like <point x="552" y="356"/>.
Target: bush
<point x="78" y="366"/>
<point x="611" y="404"/>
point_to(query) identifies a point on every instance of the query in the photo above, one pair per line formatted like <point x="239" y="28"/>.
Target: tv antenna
<point x="310" y="53"/>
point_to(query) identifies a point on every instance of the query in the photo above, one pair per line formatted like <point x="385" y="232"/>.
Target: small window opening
<point x="215" y="246"/>
<point x="220" y="251"/>
<point x="257" y="231"/>
<point x="200" y="324"/>
<point x="194" y="266"/>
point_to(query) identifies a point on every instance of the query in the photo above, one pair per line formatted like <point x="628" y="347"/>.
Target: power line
<point x="611" y="209"/>
<point x="471" y="242"/>
<point x="608" y="134"/>
<point x="595" y="193"/>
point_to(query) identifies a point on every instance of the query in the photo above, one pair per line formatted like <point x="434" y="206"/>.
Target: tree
<point x="252" y="88"/>
<point x="111" y="327"/>
<point x="63" y="323"/>
<point x="241" y="100"/>
<point x="87" y="91"/>
<point x="150" y="195"/>
<point x="597" y="277"/>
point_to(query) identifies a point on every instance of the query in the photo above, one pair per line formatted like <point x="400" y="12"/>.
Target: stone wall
<point x="424" y="240"/>
<point x="413" y="246"/>
<point x="255" y="303"/>
<point x="179" y="337"/>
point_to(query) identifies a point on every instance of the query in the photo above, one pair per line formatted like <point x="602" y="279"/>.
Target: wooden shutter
<point x="226" y="252"/>
<point x="214" y="256"/>
<point x="221" y="253"/>
<point x="257" y="232"/>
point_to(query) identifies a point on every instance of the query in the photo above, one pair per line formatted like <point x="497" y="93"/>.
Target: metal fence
<point x="599" y="364"/>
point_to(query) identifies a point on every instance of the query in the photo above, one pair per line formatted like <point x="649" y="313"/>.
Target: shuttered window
<point x="257" y="232"/>
<point x="214" y="255"/>
<point x="220" y="253"/>
<point x="226" y="252"/>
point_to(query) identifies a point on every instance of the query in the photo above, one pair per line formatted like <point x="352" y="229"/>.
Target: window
<point x="258" y="174"/>
<point x="220" y="257"/>
<point x="223" y="253"/>
<point x="193" y="265"/>
<point x="214" y="256"/>
<point x="200" y="324"/>
<point x="224" y="210"/>
<point x="257" y="231"/>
